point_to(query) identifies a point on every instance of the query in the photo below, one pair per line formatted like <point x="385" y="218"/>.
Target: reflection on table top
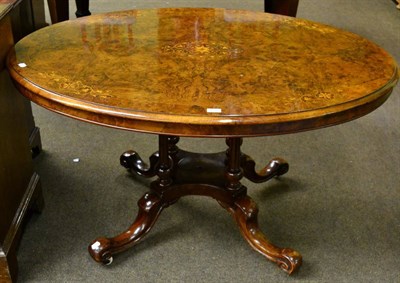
<point x="203" y="72"/>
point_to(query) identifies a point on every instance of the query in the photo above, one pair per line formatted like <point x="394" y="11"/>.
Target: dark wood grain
<point x="217" y="175"/>
<point x="203" y="72"/>
<point x="20" y="189"/>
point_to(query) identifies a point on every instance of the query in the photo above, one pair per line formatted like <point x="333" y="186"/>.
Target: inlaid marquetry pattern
<point x="202" y="49"/>
<point x="182" y="62"/>
<point x="76" y="87"/>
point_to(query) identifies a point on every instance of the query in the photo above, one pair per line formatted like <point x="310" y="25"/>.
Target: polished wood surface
<point x="217" y="175"/>
<point x="20" y="188"/>
<point x="203" y="72"/>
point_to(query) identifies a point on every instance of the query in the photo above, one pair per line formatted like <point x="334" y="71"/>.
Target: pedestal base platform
<point x="181" y="173"/>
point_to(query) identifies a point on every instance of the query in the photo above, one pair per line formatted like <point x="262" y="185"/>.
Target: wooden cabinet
<point x="20" y="188"/>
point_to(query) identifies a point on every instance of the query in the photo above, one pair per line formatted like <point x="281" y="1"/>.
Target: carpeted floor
<point x="339" y="205"/>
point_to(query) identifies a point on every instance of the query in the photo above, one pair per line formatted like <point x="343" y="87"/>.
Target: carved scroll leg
<point x="245" y="213"/>
<point x="103" y="249"/>
<point x="131" y="160"/>
<point x="276" y="167"/>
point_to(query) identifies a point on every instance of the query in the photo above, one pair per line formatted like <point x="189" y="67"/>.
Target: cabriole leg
<point x="245" y="213"/>
<point x="182" y="173"/>
<point x="102" y="249"/>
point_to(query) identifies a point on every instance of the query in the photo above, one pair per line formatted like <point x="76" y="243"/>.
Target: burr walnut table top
<point x="202" y="72"/>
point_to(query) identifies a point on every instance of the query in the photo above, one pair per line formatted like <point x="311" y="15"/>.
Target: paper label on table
<point x="214" y="110"/>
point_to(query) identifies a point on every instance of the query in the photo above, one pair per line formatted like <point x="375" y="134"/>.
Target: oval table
<point x="202" y="73"/>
